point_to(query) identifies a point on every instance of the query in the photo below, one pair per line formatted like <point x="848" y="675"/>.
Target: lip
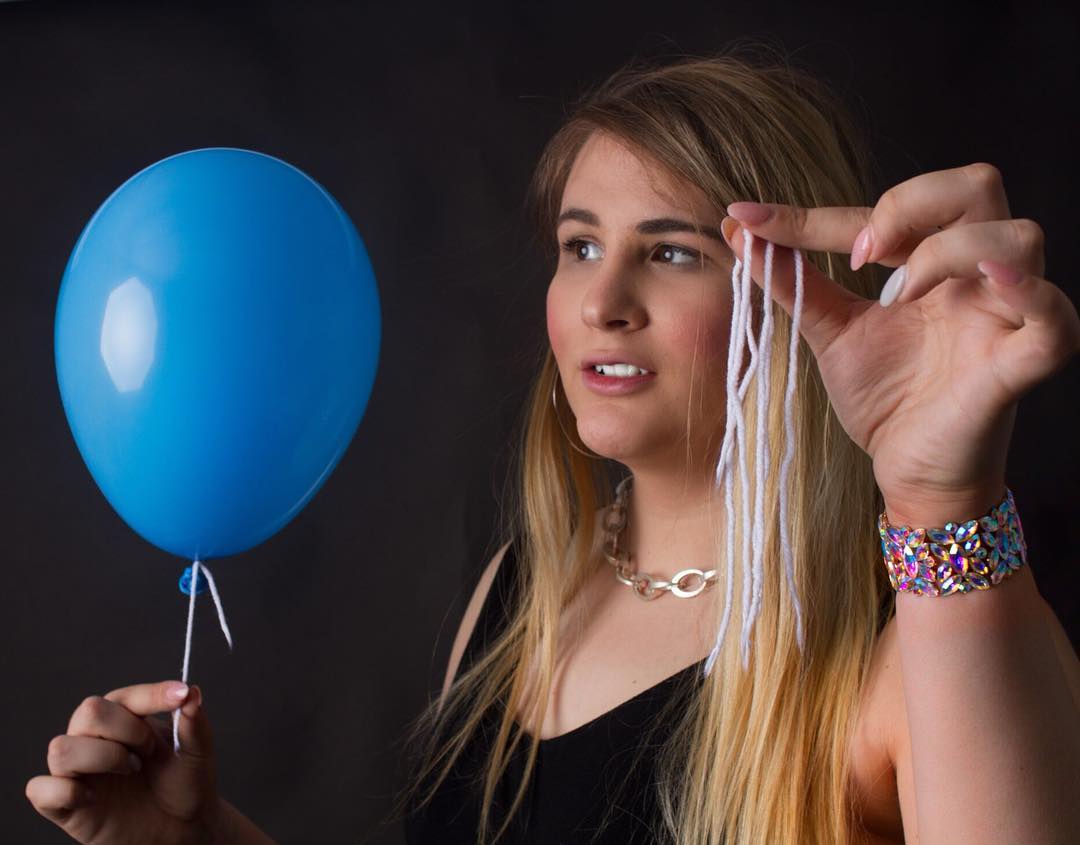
<point x="614" y="385"/>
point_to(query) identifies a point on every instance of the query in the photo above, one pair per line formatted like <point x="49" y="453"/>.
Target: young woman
<point x="730" y="646"/>
<point x="874" y="728"/>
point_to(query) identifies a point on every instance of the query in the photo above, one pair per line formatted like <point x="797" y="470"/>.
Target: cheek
<point x="558" y="314"/>
<point x="704" y="330"/>
<point x="715" y="336"/>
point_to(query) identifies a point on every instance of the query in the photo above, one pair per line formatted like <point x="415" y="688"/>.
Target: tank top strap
<point x="497" y="608"/>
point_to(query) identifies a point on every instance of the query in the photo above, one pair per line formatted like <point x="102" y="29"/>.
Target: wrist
<point x="925" y="507"/>
<point x="946" y="554"/>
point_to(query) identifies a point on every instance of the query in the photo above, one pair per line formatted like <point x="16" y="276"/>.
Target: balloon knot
<point x="185" y="583"/>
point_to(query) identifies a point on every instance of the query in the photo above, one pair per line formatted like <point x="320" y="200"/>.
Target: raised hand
<point x="114" y="778"/>
<point x="927" y="384"/>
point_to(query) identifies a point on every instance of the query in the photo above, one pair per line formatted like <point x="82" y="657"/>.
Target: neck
<point x="673" y="521"/>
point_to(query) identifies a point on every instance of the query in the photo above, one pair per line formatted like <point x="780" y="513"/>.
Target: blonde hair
<point x="755" y="755"/>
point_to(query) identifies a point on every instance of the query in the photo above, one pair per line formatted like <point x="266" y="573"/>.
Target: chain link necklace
<point x="685" y="583"/>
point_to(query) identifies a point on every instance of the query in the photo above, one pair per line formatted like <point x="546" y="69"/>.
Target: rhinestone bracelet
<point x="959" y="558"/>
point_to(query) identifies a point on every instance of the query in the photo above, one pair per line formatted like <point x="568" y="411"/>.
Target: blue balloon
<point x="217" y="336"/>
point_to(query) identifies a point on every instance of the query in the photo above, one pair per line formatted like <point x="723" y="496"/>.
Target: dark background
<point x="424" y="121"/>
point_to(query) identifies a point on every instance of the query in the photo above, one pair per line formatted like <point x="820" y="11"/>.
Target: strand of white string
<point x="789" y="452"/>
<point x="195" y="567"/>
<point x="722" y="475"/>
<point x="761" y="451"/>
<point x="742" y="334"/>
<point x="740" y="432"/>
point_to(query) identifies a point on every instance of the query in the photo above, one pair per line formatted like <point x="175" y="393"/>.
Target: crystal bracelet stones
<point x="959" y="558"/>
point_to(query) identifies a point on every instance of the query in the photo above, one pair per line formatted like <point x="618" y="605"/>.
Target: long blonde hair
<point x="756" y="755"/>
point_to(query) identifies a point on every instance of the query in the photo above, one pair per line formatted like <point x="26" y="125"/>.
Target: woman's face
<point x="635" y="284"/>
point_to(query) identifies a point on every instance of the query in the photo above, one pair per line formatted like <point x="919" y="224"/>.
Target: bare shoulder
<point x="468" y="620"/>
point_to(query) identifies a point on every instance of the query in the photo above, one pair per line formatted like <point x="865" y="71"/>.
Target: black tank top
<point x="596" y="769"/>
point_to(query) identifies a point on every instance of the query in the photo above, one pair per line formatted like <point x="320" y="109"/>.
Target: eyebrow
<point x="656" y="226"/>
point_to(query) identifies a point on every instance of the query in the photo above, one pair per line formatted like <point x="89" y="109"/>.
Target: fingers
<point x="99" y="717"/>
<point x="827" y="229"/>
<point x="929" y="202"/>
<point x="1049" y="337"/>
<point x="827" y="307"/>
<point x="55" y="797"/>
<point x="145" y="699"/>
<point x="193" y="730"/>
<point x="104" y="717"/>
<point x="196" y="738"/>
<point x="956" y="252"/>
<point x="898" y="222"/>
<point x="88" y="755"/>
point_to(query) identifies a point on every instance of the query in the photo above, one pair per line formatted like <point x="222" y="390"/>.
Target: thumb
<point x="193" y="730"/>
<point x="186" y="780"/>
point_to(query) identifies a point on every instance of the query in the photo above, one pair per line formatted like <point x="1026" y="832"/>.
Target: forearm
<point x="237" y="829"/>
<point x="994" y="728"/>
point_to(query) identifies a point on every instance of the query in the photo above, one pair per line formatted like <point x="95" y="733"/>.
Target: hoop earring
<point x="569" y="439"/>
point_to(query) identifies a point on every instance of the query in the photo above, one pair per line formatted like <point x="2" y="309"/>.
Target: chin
<point x="614" y="442"/>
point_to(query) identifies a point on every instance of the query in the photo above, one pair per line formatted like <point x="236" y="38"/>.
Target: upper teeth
<point x="619" y="369"/>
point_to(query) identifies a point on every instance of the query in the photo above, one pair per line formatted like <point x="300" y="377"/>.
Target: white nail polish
<point x="894" y="285"/>
<point x="178" y="693"/>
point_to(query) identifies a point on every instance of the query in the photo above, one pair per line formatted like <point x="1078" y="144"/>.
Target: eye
<point x="671" y="249"/>
<point x="574" y="246"/>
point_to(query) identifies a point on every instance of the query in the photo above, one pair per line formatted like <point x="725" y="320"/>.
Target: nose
<point x="611" y="299"/>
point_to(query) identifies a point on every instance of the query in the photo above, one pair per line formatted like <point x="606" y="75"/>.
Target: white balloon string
<point x="195" y="567"/>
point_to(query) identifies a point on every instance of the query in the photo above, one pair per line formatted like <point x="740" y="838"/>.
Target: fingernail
<point x="178" y="692"/>
<point x="750" y="213"/>
<point x="1000" y="272"/>
<point x="728" y="227"/>
<point x="136" y="763"/>
<point x="894" y="285"/>
<point x="861" y="250"/>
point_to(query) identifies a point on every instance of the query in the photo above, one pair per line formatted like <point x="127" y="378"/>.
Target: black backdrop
<point x="424" y="122"/>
